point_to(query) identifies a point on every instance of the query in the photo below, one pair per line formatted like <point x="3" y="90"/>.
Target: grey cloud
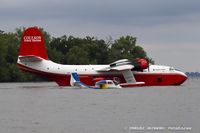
<point x="106" y="11"/>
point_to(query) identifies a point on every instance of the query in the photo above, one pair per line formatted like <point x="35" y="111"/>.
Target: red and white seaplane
<point x="33" y="58"/>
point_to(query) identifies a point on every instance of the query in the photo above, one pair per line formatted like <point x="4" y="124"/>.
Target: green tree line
<point x="66" y="50"/>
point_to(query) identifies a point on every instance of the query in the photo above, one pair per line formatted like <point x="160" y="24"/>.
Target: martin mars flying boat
<point x="33" y="58"/>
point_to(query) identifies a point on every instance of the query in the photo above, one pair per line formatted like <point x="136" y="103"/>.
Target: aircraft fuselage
<point x="155" y="75"/>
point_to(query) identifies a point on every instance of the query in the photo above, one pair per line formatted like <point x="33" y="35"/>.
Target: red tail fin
<point x="33" y="44"/>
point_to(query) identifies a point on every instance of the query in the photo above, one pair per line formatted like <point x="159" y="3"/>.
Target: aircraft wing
<point x="124" y="66"/>
<point x="120" y="65"/>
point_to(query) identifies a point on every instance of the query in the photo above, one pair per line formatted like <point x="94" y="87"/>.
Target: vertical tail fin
<point x="33" y="44"/>
<point x="74" y="79"/>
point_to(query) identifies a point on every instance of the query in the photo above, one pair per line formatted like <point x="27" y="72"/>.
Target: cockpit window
<point x="171" y="69"/>
<point x="110" y="82"/>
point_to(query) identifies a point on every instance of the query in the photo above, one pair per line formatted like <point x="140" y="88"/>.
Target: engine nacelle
<point x="140" y="64"/>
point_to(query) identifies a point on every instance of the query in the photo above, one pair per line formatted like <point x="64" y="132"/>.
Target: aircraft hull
<point x="150" y="78"/>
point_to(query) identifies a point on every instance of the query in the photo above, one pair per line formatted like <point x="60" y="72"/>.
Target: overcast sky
<point x="169" y="30"/>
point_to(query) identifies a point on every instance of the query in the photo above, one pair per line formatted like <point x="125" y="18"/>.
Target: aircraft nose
<point x="183" y="77"/>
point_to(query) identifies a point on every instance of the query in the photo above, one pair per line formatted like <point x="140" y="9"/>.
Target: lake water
<point x="47" y="108"/>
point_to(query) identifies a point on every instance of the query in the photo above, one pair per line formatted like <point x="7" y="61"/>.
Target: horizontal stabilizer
<point x="30" y="58"/>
